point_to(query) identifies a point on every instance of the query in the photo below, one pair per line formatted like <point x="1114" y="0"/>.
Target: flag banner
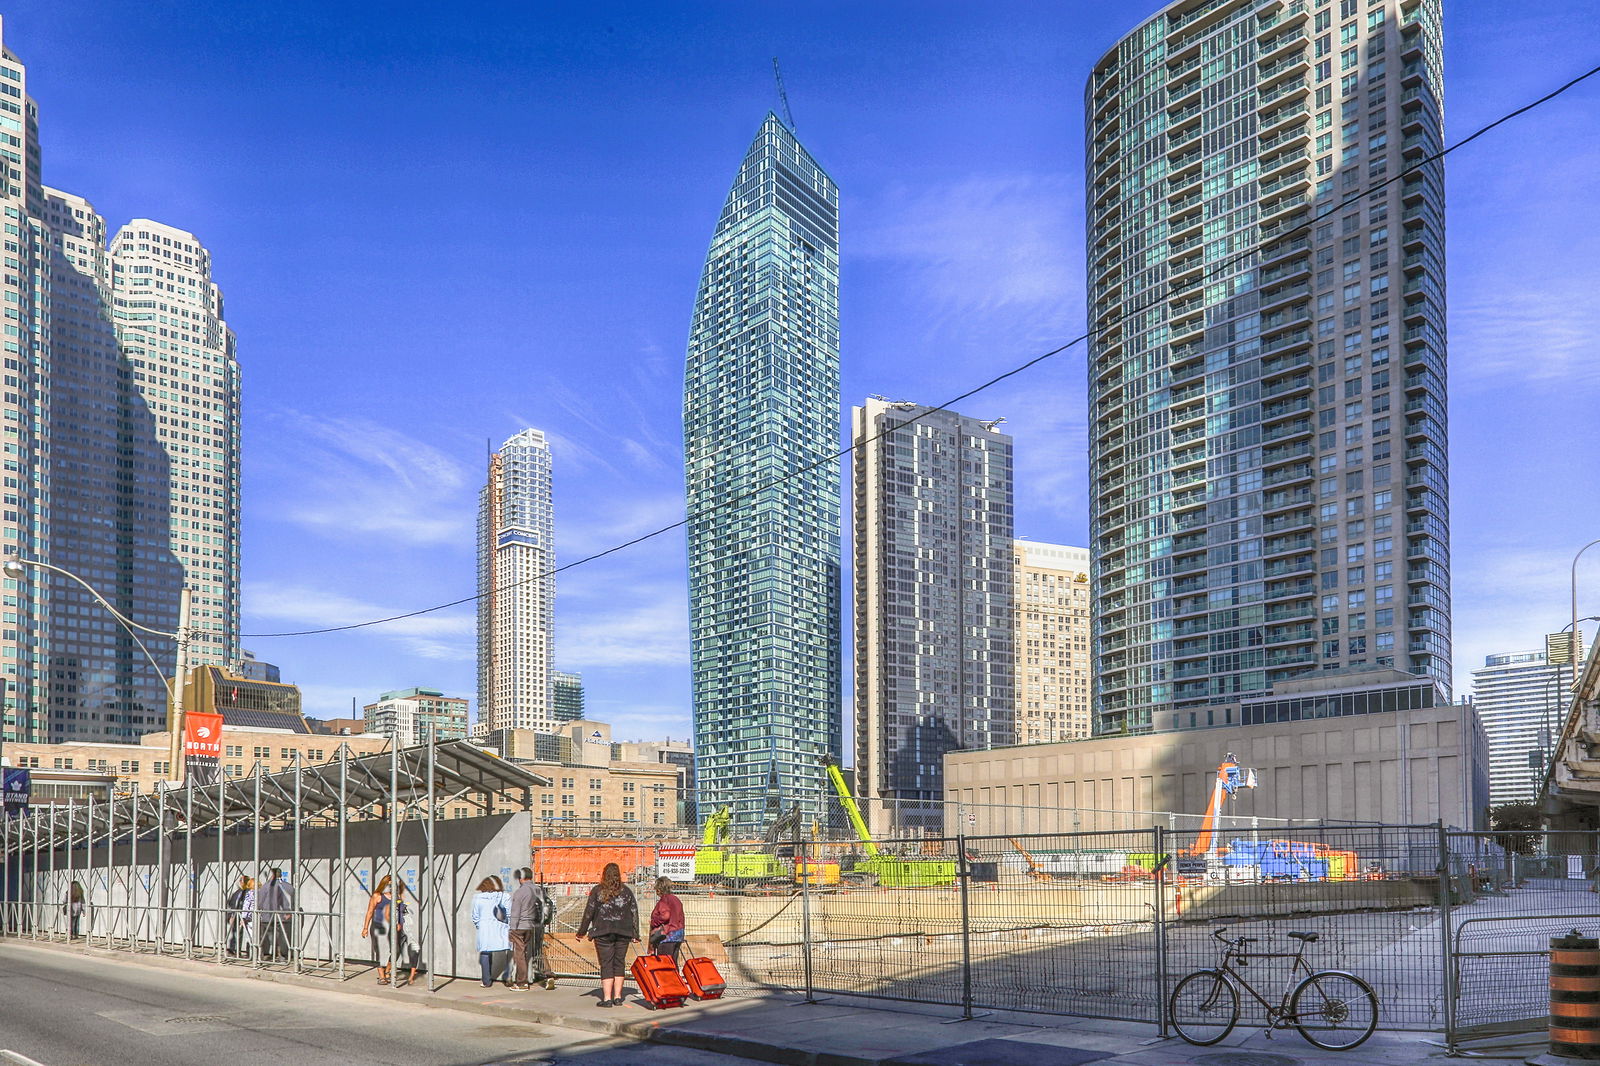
<point x="202" y="747"/>
<point x="18" y="786"/>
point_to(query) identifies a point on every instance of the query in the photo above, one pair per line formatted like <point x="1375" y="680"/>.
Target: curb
<point x="645" y="1031"/>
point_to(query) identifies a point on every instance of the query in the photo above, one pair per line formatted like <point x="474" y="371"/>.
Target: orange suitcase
<point x="658" y="981"/>
<point x="704" y="980"/>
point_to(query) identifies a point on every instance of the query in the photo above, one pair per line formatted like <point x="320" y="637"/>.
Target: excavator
<point x="889" y="871"/>
<point x="715" y="863"/>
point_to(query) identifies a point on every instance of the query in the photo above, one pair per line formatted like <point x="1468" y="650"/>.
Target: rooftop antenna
<point x="991" y="424"/>
<point x="783" y="97"/>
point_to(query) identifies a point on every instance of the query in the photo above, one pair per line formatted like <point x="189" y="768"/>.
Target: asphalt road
<point x="62" y="1010"/>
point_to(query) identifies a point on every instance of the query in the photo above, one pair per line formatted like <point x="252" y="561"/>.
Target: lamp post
<point x="16" y="567"/>
<point x="1575" y="619"/>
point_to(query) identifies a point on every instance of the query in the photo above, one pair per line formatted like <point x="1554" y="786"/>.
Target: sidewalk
<point x="832" y="1032"/>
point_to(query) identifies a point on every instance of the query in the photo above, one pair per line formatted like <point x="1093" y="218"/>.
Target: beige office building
<point x="1325" y="749"/>
<point x="1052" y="642"/>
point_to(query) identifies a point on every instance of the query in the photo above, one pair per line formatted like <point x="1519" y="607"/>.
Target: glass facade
<point x="935" y="661"/>
<point x="1521" y="699"/>
<point x="120" y="412"/>
<point x="761" y="403"/>
<point x="1267" y="398"/>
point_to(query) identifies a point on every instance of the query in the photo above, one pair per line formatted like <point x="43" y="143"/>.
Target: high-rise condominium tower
<point x="933" y="603"/>
<point x="120" y="414"/>
<point x="516" y="589"/>
<point x="1521" y="698"/>
<point x="566" y="696"/>
<point x="760" y="404"/>
<point x="169" y="319"/>
<point x="1054" y="665"/>
<point x="1267" y="374"/>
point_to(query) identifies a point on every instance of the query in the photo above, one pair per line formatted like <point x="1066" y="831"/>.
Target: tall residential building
<point x="169" y="320"/>
<point x="934" y="609"/>
<point x="1520" y="697"/>
<point x="120" y="412"/>
<point x="1054" y="665"/>
<point x="409" y="714"/>
<point x="566" y="701"/>
<point x="1267" y="374"/>
<point x="761" y="427"/>
<point x="516" y="588"/>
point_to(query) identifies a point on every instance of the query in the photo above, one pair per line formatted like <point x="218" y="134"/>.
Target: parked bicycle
<point x="1332" y="1009"/>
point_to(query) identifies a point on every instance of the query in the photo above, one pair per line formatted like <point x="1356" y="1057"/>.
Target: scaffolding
<point x="153" y="871"/>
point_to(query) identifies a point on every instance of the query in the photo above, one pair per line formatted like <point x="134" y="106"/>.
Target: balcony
<point x="1286" y="270"/>
<point x="1287" y="65"/>
<point x="1287" y="388"/>
<point x="1271" y="48"/>
<point x="1282" y="115"/>
<point x="1298" y="520"/>
<point x="1288" y="476"/>
<point x="1285" y="341"/>
<point x="1274" y="456"/>
<point x="1301" y="428"/>
<point x="1283" y="408"/>
<point x="1282" y="91"/>
<point x="1288" y="545"/>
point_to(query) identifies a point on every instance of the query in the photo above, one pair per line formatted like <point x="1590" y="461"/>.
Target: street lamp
<point x="1575" y="619"/>
<point x="16" y="567"/>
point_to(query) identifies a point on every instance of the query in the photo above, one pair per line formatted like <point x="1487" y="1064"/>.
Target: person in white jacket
<point x="491" y="911"/>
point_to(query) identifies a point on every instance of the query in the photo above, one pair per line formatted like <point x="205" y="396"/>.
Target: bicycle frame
<point x="1278" y="1016"/>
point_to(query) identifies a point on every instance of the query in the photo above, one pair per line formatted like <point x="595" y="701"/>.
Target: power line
<point x="734" y="501"/>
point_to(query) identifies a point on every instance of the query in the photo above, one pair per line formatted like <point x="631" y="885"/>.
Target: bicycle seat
<point x="1309" y="938"/>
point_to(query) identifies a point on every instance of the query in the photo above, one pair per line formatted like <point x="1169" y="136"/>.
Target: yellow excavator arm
<point x="850" y="808"/>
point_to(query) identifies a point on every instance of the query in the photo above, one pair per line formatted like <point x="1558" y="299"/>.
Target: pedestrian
<point x="236" y="914"/>
<point x="531" y="911"/>
<point x="247" y="917"/>
<point x="611" y="920"/>
<point x="275" y="902"/>
<point x="375" y="925"/>
<point x="74" y="907"/>
<point x="666" y="921"/>
<point x="490" y="912"/>
<point x="407" y="947"/>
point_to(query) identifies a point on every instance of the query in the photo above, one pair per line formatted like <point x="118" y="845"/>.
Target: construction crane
<point x="1230" y="779"/>
<point x="783" y="97"/>
<point x="713" y="862"/>
<point x="890" y="871"/>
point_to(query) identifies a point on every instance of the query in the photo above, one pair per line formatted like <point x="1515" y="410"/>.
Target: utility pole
<point x="175" y="722"/>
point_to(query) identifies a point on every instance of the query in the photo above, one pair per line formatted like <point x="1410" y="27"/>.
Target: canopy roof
<point x="462" y="773"/>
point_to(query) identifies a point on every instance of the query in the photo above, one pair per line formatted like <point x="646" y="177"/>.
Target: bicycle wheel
<point x="1334" y="1011"/>
<point x="1204" y="1007"/>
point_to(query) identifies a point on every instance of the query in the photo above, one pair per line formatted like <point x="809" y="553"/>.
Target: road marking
<point x="18" y="1058"/>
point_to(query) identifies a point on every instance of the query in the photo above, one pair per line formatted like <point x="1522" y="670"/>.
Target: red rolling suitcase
<point x="658" y="981"/>
<point x="704" y="980"/>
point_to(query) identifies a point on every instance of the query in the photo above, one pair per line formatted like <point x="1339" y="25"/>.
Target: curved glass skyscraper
<point x="1267" y="399"/>
<point x="761" y="403"/>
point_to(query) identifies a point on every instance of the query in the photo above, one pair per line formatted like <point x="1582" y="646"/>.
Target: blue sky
<point x="434" y="230"/>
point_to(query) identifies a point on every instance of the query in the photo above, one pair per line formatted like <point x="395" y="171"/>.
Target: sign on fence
<point x="675" y="862"/>
<point x="1575" y="867"/>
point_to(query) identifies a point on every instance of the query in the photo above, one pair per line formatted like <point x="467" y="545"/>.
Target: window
<point x="1381" y="500"/>
<point x="1384" y="594"/>
<point x="1358" y="623"/>
<point x="1380" y="235"/>
<point x="1356" y="598"/>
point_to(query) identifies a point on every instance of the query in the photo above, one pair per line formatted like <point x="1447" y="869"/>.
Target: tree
<point x="1519" y="823"/>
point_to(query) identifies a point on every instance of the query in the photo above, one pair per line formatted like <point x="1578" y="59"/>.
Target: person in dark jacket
<point x="530" y="905"/>
<point x="275" y="904"/>
<point x="611" y="920"/>
<point x="666" y="921"/>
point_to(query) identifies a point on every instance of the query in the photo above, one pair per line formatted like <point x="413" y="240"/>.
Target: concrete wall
<point x="153" y="890"/>
<point x="1400" y="767"/>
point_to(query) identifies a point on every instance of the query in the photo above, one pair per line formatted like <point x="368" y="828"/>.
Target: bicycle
<point x="1332" y="1009"/>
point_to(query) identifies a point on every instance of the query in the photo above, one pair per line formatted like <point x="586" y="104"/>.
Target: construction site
<point x="1444" y="924"/>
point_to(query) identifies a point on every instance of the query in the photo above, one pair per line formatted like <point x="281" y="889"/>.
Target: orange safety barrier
<point x="575" y="862"/>
<point x="1575" y="997"/>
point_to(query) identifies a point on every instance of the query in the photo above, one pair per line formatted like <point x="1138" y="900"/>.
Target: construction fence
<point x="1449" y="928"/>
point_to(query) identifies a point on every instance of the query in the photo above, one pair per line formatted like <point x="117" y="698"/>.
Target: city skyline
<point x="368" y="477"/>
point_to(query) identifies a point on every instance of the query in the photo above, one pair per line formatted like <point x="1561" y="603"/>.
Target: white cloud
<point x="621" y="623"/>
<point x="445" y="636"/>
<point x="983" y="244"/>
<point x="357" y="478"/>
<point x="1543" y="336"/>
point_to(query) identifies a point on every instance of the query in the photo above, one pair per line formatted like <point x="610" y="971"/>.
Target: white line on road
<point x="18" y="1058"/>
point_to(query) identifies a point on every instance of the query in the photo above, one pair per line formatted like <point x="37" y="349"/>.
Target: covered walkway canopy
<point x="345" y="789"/>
